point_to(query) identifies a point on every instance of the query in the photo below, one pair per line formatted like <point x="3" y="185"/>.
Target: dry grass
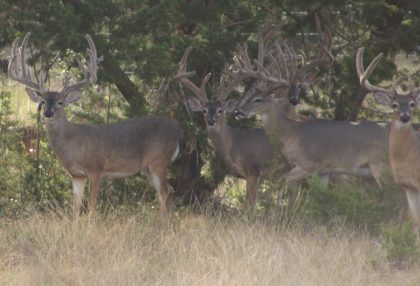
<point x="197" y="250"/>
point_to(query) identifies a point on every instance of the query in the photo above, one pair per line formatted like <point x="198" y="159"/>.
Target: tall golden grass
<point x="51" y="249"/>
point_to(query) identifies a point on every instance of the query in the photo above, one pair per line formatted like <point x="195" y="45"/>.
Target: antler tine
<point x="364" y="74"/>
<point x="264" y="36"/>
<point x="22" y="49"/>
<point x="325" y="45"/>
<point x="292" y="58"/>
<point x="88" y="67"/>
<point x="93" y="56"/>
<point x="236" y="76"/>
<point x="413" y="89"/>
<point x="241" y="69"/>
<point x="324" y="55"/>
<point x="25" y="77"/>
<point x="183" y="76"/>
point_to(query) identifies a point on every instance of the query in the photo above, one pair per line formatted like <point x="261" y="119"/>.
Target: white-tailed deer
<point x="146" y="144"/>
<point x="310" y="145"/>
<point x="247" y="151"/>
<point x="404" y="142"/>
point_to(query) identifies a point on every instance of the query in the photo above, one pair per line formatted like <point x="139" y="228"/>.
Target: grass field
<point x="128" y="249"/>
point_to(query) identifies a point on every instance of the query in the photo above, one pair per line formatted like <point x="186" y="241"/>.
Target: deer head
<point x="213" y="110"/>
<point x="52" y="102"/>
<point x="401" y="103"/>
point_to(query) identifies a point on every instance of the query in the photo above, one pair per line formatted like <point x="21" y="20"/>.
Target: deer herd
<point x="149" y="144"/>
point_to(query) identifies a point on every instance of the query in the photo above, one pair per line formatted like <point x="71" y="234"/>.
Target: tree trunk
<point x="355" y="109"/>
<point x="117" y="76"/>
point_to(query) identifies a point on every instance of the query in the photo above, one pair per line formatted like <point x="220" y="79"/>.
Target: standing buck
<point x="404" y="142"/>
<point x="148" y="144"/>
<point x="246" y="151"/>
<point x="311" y="145"/>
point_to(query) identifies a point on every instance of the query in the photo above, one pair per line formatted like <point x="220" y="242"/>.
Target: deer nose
<point x="211" y="122"/>
<point x="48" y="113"/>
<point x="238" y="114"/>
<point x="405" y="117"/>
<point x="294" y="100"/>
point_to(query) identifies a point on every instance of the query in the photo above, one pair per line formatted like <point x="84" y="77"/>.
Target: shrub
<point x="400" y="245"/>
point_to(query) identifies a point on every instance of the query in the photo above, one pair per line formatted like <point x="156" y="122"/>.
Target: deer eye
<point x="412" y="104"/>
<point x="42" y="101"/>
<point x="60" y="103"/>
<point x="205" y="110"/>
<point x="219" y="111"/>
<point x="394" y="105"/>
<point x="258" y="100"/>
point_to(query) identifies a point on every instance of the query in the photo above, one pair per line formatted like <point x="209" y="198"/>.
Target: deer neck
<point x="221" y="136"/>
<point x="56" y="130"/>
<point x="402" y="141"/>
<point x="279" y="120"/>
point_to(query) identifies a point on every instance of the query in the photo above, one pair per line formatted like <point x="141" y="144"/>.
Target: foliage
<point x="355" y="203"/>
<point x="400" y="244"/>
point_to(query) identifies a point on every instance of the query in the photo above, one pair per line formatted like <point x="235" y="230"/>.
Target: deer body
<point x="319" y="145"/>
<point x="246" y="151"/>
<point x="404" y="157"/>
<point x="115" y="146"/>
<point x="148" y="144"/>
<point x="237" y="148"/>
<point x="404" y="141"/>
<point x="310" y="145"/>
<point x="404" y="149"/>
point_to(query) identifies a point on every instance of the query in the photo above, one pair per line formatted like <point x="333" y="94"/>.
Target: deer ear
<point x="73" y="97"/>
<point x="33" y="95"/>
<point x="383" y="98"/>
<point x="195" y="104"/>
<point x="230" y="105"/>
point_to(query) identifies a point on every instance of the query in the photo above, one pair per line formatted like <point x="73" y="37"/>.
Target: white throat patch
<point x="399" y="125"/>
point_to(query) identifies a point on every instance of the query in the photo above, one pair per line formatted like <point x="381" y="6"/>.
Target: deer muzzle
<point x="211" y="122"/>
<point x="404" y="117"/>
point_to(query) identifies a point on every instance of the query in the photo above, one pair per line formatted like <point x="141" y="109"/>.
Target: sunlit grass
<point x="137" y="249"/>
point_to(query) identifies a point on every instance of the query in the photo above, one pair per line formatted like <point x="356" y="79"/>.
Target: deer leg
<point x="296" y="174"/>
<point x="95" y="181"/>
<point x="376" y="170"/>
<point x="78" y="190"/>
<point x="159" y="181"/>
<point x="293" y="177"/>
<point x="413" y="198"/>
<point x="252" y="184"/>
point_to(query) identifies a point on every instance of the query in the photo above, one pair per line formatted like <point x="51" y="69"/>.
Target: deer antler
<point x="25" y="76"/>
<point x="278" y="66"/>
<point x="364" y="74"/>
<point x="89" y="68"/>
<point x="183" y="76"/>
<point x="324" y="55"/>
<point x="266" y="68"/>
